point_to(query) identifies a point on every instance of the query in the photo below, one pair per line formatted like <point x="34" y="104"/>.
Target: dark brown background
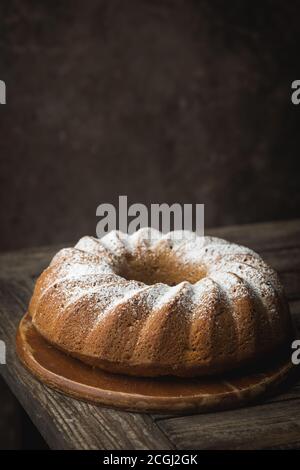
<point x="165" y="101"/>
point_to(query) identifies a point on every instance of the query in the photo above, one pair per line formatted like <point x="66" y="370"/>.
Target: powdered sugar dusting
<point x="92" y="258"/>
<point x="89" y="272"/>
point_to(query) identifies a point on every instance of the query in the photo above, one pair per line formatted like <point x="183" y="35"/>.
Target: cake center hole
<point x="154" y="269"/>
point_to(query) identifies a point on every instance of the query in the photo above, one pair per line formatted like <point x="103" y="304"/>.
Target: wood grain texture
<point x="272" y="425"/>
<point x="66" y="423"/>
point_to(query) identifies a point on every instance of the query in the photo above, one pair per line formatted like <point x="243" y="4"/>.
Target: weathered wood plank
<point x="29" y="262"/>
<point x="262" y="236"/>
<point x="66" y="423"/>
<point x="274" y="425"/>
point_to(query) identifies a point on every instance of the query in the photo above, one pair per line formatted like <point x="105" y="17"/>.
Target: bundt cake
<point x="152" y="304"/>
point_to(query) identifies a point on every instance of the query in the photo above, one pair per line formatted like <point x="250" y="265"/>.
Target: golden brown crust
<point x="229" y="311"/>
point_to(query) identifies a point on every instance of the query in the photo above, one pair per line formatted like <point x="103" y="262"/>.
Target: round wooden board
<point x="165" y="394"/>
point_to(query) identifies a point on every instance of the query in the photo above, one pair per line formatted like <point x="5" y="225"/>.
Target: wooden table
<point x="66" y="423"/>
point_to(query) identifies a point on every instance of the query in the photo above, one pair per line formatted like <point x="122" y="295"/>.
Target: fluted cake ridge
<point x="157" y="304"/>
